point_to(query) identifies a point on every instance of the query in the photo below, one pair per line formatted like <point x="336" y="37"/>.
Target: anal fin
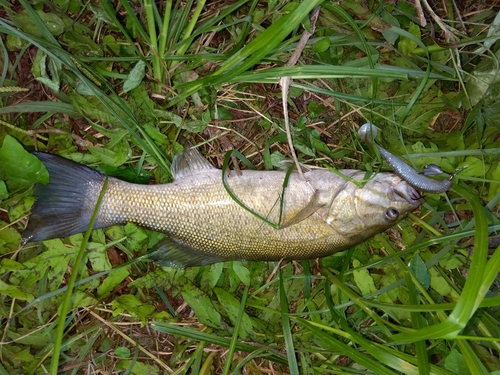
<point x="171" y="252"/>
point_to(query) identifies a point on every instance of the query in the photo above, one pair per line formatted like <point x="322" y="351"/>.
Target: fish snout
<point x="408" y="193"/>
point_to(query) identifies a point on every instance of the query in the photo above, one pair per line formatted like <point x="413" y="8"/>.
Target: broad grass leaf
<point x="15" y="292"/>
<point x="15" y="43"/>
<point x="494" y="188"/>
<point x="136" y="237"/>
<point x="475" y="167"/>
<point x="407" y="45"/>
<point x="439" y="283"/>
<point x="19" y="166"/>
<point x="276" y="160"/>
<point x="98" y="257"/>
<point x="82" y="44"/>
<point x="91" y="106"/>
<point x="53" y="263"/>
<point x="137" y="368"/>
<point x="302" y="147"/>
<point x="210" y="279"/>
<point x="322" y="45"/>
<point x="446" y="164"/>
<point x="242" y="272"/>
<point x="492" y="37"/>
<point x="483" y="80"/>
<point x="363" y="279"/>
<point x="110" y="42"/>
<point x="456" y="140"/>
<point x="135" y="76"/>
<point x="409" y="234"/>
<point x="453" y="262"/>
<point x="456" y="363"/>
<point x="320" y="145"/>
<point x="101" y="15"/>
<point x="114" y="155"/>
<point x="133" y="305"/>
<point x="7" y="265"/>
<point x="223" y="114"/>
<point x="53" y="22"/>
<point x="156" y="135"/>
<point x="56" y="259"/>
<point x="9" y="237"/>
<point x="115" y="232"/>
<point x="419" y="270"/>
<point x="122" y="352"/>
<point x="40" y="71"/>
<point x="231" y="306"/>
<point x="156" y="278"/>
<point x="258" y="273"/>
<point x="167" y="116"/>
<point x="200" y="303"/>
<point x="17" y="356"/>
<point x="37" y="339"/>
<point x="113" y="279"/>
<point x="21" y="208"/>
<point x="194" y="126"/>
<point x="388" y="34"/>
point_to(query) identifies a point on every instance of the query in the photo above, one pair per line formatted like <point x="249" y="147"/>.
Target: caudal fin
<point x="65" y="205"/>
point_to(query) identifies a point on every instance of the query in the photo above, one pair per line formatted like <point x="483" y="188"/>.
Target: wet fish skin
<point x="205" y="225"/>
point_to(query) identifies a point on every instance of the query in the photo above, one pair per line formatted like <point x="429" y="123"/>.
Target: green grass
<point x="114" y="84"/>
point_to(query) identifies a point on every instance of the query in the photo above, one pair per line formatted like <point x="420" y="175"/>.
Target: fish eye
<point x="391" y="214"/>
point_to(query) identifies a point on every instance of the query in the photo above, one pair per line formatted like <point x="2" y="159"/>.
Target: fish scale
<point x="203" y="215"/>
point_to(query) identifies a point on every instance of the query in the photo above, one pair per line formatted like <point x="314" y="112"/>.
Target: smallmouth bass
<point x="205" y="225"/>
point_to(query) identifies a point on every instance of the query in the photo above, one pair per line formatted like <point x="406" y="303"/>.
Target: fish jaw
<point x="359" y="213"/>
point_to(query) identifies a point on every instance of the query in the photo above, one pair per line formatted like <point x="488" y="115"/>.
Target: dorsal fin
<point x="189" y="162"/>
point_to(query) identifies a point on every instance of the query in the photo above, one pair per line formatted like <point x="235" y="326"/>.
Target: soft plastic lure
<point x="368" y="132"/>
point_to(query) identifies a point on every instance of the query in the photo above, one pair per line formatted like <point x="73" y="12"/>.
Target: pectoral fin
<point x="171" y="252"/>
<point x="313" y="206"/>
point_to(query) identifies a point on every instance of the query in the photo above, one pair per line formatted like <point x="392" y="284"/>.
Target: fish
<point x="205" y="224"/>
<point x="421" y="182"/>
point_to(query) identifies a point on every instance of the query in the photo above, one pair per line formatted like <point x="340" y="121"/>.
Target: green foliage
<point x="113" y="84"/>
<point x="19" y="167"/>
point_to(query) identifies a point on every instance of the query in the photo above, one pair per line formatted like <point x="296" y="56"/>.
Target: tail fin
<point x="65" y="205"/>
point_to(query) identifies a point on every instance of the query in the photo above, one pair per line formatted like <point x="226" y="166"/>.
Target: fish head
<point x="359" y="213"/>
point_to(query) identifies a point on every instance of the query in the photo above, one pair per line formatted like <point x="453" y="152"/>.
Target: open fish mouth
<point x="406" y="192"/>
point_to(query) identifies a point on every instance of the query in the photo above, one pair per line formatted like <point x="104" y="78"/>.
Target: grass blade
<point x="254" y="51"/>
<point x="234" y="339"/>
<point x="54" y="364"/>
<point x="287" y="330"/>
<point x="475" y="288"/>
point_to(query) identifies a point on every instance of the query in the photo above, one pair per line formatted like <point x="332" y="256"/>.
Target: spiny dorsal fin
<point x="189" y="162"/>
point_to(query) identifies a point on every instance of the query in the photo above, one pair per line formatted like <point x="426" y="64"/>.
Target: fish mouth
<point x="404" y="191"/>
